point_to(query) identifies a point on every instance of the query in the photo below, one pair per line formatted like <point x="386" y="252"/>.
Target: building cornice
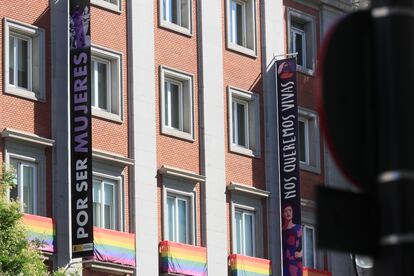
<point x="247" y="189"/>
<point x="107" y="156"/>
<point x="26" y="137"/>
<point x="181" y="173"/>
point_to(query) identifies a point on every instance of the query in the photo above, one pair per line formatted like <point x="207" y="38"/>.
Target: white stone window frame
<point x="183" y="188"/>
<point x="304" y="226"/>
<point x="253" y="100"/>
<point x="109" y="6"/>
<point x="250" y="203"/>
<point x="36" y="61"/>
<point x="250" y="29"/>
<point x="306" y="123"/>
<point x="313" y="140"/>
<point x="115" y="174"/>
<point x="188" y="103"/>
<point x="114" y="59"/>
<point x="309" y="220"/>
<point x="35" y="155"/>
<point x="175" y="27"/>
<point x="117" y="181"/>
<point x="309" y="22"/>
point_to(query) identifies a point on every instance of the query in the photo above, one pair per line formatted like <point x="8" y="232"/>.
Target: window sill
<point x="243" y="151"/>
<point x="306" y="71"/>
<point x="177" y="133"/>
<point x="106" y="115"/>
<point x="175" y="28"/>
<point x="310" y="168"/>
<point x="21" y="92"/>
<point x="242" y="50"/>
<point x="107" y="6"/>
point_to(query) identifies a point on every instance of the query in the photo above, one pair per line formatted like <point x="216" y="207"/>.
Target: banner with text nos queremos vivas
<point x="289" y="167"/>
<point x="81" y="128"/>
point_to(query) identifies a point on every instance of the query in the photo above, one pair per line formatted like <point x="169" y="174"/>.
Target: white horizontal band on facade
<point x="247" y="189"/>
<point x="181" y="173"/>
<point x="26" y="137"/>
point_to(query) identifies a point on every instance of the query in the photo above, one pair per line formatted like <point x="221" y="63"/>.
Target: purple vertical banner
<point x="81" y="128"/>
<point x="289" y="167"/>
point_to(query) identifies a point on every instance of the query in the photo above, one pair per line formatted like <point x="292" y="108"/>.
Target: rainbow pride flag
<point x="249" y="266"/>
<point x="114" y="246"/>
<point x="183" y="259"/>
<point x="40" y="229"/>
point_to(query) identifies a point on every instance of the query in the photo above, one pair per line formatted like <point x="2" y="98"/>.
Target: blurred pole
<point x="393" y="27"/>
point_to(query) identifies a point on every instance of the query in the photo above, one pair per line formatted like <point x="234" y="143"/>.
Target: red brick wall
<point x="108" y="30"/>
<point x="243" y="72"/>
<point x="179" y="52"/>
<point x="20" y="113"/>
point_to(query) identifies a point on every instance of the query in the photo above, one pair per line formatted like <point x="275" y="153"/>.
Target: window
<point x="177" y="104"/>
<point x="298" y="41"/>
<point x="114" y="5"/>
<point x="105" y="203"/>
<point x="309" y="140"/>
<point x="302" y="39"/>
<point x="176" y="15"/>
<point x="245" y="224"/>
<point x="24" y="63"/>
<point x="303" y="140"/>
<point x="244" y="122"/>
<point x="309" y="246"/>
<point x="178" y="219"/>
<point x="241" y="25"/>
<point x="179" y="211"/>
<point x="106" y="84"/>
<point x="25" y="190"/>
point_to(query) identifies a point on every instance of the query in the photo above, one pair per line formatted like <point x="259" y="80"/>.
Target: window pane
<point x="109" y="206"/>
<point x="102" y="85"/>
<point x="175" y="12"/>
<point x="309" y="250"/>
<point x="182" y="221"/>
<point x="28" y="189"/>
<point x="93" y="91"/>
<point x="234" y="123"/>
<point x="22" y="66"/>
<point x="238" y="233"/>
<point x="302" y="143"/>
<point x="239" y="24"/>
<point x="175" y="105"/>
<point x="11" y="60"/>
<point x="241" y="124"/>
<point x="248" y="235"/>
<point x="97" y="216"/>
<point x="167" y="104"/>
<point x="171" y="219"/>
<point x="14" y="192"/>
<point x="299" y="49"/>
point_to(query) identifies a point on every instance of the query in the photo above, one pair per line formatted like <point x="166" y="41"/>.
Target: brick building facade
<point x="184" y="129"/>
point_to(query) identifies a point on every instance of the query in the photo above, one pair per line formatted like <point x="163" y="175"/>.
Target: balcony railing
<point x="177" y="258"/>
<point x="114" y="246"/>
<point x="314" y="272"/>
<point x="40" y="229"/>
<point x="249" y="266"/>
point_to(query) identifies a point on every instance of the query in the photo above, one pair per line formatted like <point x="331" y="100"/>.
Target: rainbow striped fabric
<point x="40" y="229"/>
<point x="249" y="266"/>
<point x="114" y="246"/>
<point x="183" y="259"/>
